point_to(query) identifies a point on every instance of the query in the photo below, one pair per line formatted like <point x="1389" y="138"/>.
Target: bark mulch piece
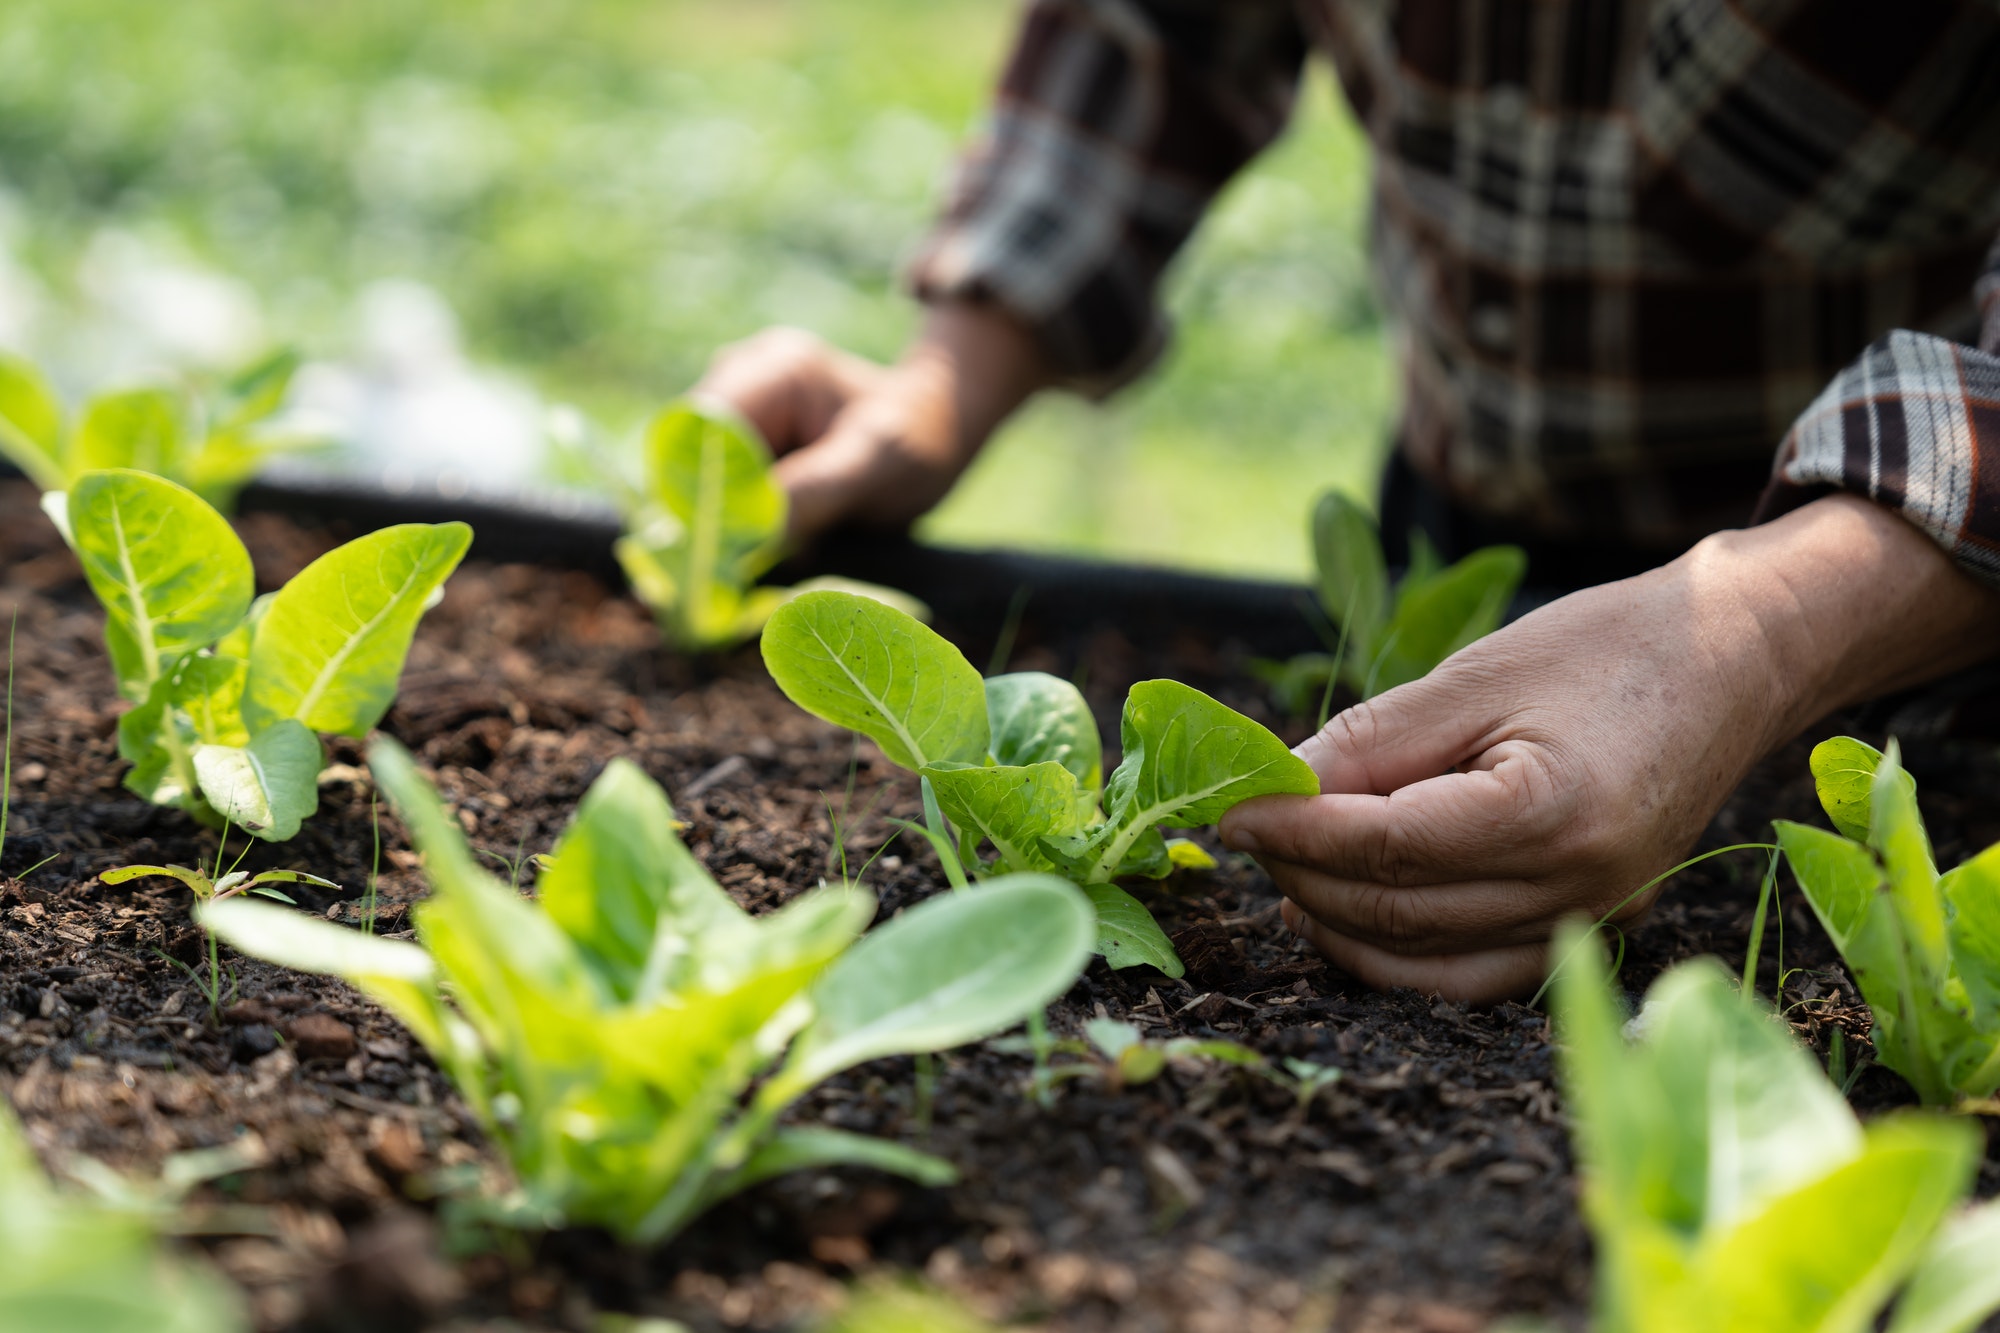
<point x="1430" y="1188"/>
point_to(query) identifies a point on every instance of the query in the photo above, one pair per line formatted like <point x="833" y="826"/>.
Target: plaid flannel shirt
<point x="1623" y="245"/>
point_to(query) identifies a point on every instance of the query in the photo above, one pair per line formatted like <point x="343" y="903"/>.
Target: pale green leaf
<point x="398" y="974"/>
<point x="330" y="647"/>
<point x="139" y="428"/>
<point x="1957" y="1281"/>
<point x="1843" y="772"/>
<point x="809" y="1147"/>
<point x="1840" y="877"/>
<point x="194" y="879"/>
<point x="1353" y="578"/>
<point x="950" y="970"/>
<point x="1012" y="807"/>
<point x="1127" y="935"/>
<point x="267" y="787"/>
<point x="862" y="665"/>
<point x="255" y="392"/>
<point x="1188" y="760"/>
<point x="624" y="888"/>
<point x="31" y="424"/>
<point x="172" y="575"/>
<point x="1036" y="717"/>
<point x="1438" y="615"/>
<point x="531" y="1005"/>
<point x="709" y="469"/>
<point x="1972" y="895"/>
<point x="913" y="607"/>
<point x="1896" y="832"/>
<point x="1784" y="1270"/>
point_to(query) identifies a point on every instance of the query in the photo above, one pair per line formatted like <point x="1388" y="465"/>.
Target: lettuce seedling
<point x="1729" y="1187"/>
<point x="80" y="1264"/>
<point x="1390" y="633"/>
<point x="212" y="445"/>
<point x="1924" y="948"/>
<point x="1016" y="762"/>
<point x="710" y="524"/>
<point x="229" y="694"/>
<point x="630" y="1040"/>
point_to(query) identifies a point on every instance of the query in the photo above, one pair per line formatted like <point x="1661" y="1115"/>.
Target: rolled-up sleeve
<point x="1913" y="424"/>
<point x="1116" y="122"/>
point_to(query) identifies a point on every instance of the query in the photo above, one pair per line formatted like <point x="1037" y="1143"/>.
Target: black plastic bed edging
<point x="973" y="591"/>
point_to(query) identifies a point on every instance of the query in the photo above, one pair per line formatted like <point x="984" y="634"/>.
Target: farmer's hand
<point x="878" y="445"/>
<point x="1556" y="766"/>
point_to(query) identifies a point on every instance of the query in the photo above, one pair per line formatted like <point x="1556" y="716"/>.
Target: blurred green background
<point x="604" y="190"/>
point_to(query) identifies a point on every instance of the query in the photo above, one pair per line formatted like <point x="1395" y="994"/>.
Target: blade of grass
<point x="7" y="741"/>
<point x="1619" y="906"/>
<point x="1756" y="948"/>
<point x="1010" y="629"/>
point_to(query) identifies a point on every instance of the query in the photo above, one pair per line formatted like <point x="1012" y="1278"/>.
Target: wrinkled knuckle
<point x="1394" y="920"/>
<point x="1392" y="859"/>
<point x="1353" y="730"/>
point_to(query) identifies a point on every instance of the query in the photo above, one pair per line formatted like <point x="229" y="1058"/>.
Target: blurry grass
<point x="607" y="189"/>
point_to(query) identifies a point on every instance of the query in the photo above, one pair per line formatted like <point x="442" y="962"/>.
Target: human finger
<point x="1478" y="977"/>
<point x="1439" y="918"/>
<point x="1488" y="823"/>
<point x="789" y="384"/>
<point x="1404" y="735"/>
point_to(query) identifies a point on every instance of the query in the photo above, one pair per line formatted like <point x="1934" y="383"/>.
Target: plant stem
<point x="1619" y="906"/>
<point x="1038" y="1040"/>
<point x="1757" y="927"/>
<point x="7" y="742"/>
<point x="926" y="1091"/>
<point x="940" y="834"/>
<point x="374" y="866"/>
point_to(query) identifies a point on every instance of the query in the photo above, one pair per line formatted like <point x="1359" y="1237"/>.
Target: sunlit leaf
<point x="171" y="574"/>
<point x="330" y="647"/>
<point x="267" y="787"/>
<point x="868" y="667"/>
<point x="945" y="972"/>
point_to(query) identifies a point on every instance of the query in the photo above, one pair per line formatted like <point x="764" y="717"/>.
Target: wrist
<point x="981" y="360"/>
<point x="1839" y="602"/>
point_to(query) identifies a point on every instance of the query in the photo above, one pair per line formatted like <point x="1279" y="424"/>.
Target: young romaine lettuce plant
<point x="76" y="1264"/>
<point x="1391" y="633"/>
<point x="230" y="695"/>
<point x="631" y="1039"/>
<point x="1730" y="1189"/>
<point x="1924" y="948"/>
<point x="212" y="445"/>
<point x="710" y="523"/>
<point x="1016" y="762"/>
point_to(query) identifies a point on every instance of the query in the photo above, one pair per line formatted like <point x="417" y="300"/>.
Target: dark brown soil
<point x="1430" y="1188"/>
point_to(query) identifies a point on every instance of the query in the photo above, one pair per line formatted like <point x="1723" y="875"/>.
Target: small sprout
<point x="1389" y="634"/>
<point x="1015" y="762"/>
<point x="231" y="694"/>
<point x="1309" y="1078"/>
<point x="225" y="886"/>
<point x="1923" y="947"/>
<point x="631" y="1037"/>
<point x="711" y="522"/>
<point x="212" y="445"/>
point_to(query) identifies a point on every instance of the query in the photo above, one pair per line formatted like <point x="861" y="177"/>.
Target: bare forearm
<point x="1853" y="602"/>
<point x="979" y="363"/>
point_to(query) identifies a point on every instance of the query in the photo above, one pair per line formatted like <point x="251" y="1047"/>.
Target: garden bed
<point x="1430" y="1188"/>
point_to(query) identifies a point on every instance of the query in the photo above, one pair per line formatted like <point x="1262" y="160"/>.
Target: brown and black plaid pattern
<point x="1914" y="424"/>
<point x="1624" y="244"/>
